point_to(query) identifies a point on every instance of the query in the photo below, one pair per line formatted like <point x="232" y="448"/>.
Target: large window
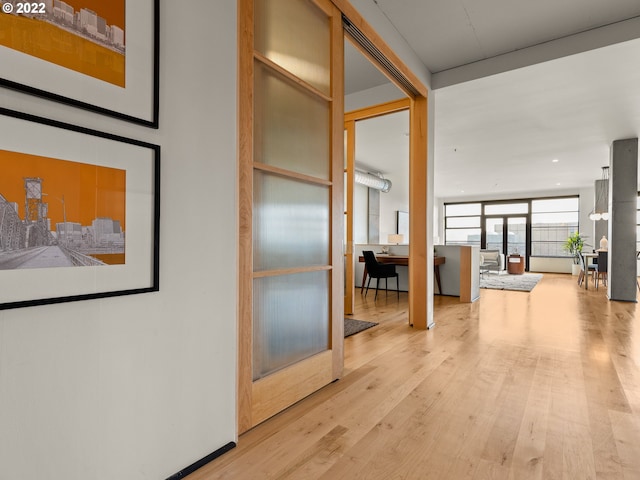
<point x="462" y="224"/>
<point x="552" y="221"/>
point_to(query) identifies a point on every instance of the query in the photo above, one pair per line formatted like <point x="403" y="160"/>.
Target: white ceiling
<point x="450" y="33"/>
<point x="498" y="135"/>
<point x="360" y="74"/>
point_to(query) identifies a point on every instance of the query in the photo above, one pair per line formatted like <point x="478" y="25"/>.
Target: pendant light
<point x="600" y="209"/>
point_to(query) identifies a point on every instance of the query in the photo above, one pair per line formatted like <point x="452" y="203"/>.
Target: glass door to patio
<point x="507" y="234"/>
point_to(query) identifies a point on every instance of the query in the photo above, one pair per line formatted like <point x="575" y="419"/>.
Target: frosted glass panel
<point x="281" y="25"/>
<point x="291" y="126"/>
<point x="290" y="320"/>
<point x="290" y="223"/>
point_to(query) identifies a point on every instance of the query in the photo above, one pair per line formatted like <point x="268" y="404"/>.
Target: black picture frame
<point x="54" y="141"/>
<point x="402" y="224"/>
<point x="137" y="101"/>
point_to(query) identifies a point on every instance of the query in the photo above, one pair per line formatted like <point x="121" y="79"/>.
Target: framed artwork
<point x="79" y="213"/>
<point x="402" y="224"/>
<point x="94" y="54"/>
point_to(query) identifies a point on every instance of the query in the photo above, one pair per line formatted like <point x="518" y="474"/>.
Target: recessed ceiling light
<point x="555" y="160"/>
<point x="558" y="183"/>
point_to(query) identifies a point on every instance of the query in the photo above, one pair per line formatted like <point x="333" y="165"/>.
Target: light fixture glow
<point x="396" y="238"/>
<point x="555" y="160"/>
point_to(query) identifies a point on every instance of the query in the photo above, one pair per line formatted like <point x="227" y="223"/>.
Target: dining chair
<point x="602" y="268"/>
<point x="585" y="269"/>
<point x="581" y="274"/>
<point x="379" y="270"/>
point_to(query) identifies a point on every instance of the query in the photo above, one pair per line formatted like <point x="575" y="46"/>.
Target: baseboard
<point x="202" y="462"/>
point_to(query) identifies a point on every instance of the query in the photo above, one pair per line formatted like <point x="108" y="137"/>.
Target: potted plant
<point x="573" y="245"/>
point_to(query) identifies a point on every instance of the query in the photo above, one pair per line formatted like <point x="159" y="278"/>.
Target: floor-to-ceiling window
<point x="552" y="221"/>
<point x="533" y="227"/>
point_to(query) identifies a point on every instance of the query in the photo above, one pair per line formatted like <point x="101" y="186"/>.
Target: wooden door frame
<point x="350" y="119"/>
<point x="349" y="285"/>
<point x="420" y="262"/>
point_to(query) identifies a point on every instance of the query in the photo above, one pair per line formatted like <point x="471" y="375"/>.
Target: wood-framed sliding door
<point x="291" y="212"/>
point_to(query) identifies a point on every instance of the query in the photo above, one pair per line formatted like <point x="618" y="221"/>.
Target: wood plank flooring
<point x="544" y="385"/>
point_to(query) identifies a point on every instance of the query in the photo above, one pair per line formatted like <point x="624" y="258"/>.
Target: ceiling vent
<point x="356" y="34"/>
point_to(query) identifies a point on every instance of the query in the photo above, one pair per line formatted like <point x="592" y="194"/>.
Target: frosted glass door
<point x="290" y="189"/>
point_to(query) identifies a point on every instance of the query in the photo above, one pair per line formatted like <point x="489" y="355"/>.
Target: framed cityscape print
<point x="79" y="213"/>
<point x="94" y="54"/>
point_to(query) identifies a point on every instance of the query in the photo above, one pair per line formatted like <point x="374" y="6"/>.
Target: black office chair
<point x="602" y="268"/>
<point x="379" y="270"/>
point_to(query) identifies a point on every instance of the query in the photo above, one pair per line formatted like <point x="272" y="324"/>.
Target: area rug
<point x="352" y="326"/>
<point x="521" y="283"/>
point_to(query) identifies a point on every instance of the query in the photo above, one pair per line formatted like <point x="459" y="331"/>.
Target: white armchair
<point x="491" y="261"/>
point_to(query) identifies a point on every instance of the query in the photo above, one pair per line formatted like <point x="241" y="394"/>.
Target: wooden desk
<point x="402" y="260"/>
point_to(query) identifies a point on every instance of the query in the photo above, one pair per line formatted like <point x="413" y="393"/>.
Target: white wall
<point x="389" y="205"/>
<point x="360" y="214"/>
<point x="139" y="387"/>
<point x="396" y="199"/>
<point x="551" y="265"/>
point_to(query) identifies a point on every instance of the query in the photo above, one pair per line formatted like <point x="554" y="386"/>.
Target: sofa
<point x="491" y="261"/>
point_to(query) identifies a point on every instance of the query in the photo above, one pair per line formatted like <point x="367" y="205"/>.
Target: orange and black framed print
<point x="79" y="213"/>
<point x="94" y="54"/>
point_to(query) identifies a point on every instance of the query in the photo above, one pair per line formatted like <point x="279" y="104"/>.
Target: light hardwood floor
<point x="543" y="385"/>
